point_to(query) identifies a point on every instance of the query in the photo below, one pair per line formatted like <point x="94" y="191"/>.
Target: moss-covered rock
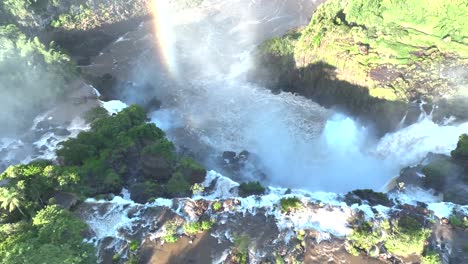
<point x="290" y="204"/>
<point x="461" y="152"/>
<point x="372" y="198"/>
<point x="251" y="188"/>
<point x="408" y="236"/>
<point x="437" y="172"/>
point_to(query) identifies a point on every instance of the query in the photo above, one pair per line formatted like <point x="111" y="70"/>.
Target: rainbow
<point x="164" y="34"/>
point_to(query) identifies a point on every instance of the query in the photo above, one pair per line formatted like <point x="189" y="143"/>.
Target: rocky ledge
<point x="281" y="226"/>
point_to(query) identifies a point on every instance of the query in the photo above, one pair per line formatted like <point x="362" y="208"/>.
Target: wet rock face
<point x="450" y="242"/>
<point x="368" y="196"/>
<point x="240" y="166"/>
<point x="441" y="174"/>
<point x="233" y="161"/>
<point x="156" y="167"/>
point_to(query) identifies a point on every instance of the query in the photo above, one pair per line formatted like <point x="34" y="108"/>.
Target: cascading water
<point x="208" y="107"/>
<point x="211" y="108"/>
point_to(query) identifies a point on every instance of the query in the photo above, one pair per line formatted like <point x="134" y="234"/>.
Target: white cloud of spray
<point x="297" y="142"/>
<point x="25" y="91"/>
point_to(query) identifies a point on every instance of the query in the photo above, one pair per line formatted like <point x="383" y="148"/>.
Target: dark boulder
<point x="156" y="167"/>
<point x="372" y="198"/>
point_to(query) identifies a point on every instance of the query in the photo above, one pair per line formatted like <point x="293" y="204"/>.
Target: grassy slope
<point x="398" y="50"/>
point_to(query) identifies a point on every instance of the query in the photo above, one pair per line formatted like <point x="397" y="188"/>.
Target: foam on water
<point x="114" y="106"/>
<point x="410" y="145"/>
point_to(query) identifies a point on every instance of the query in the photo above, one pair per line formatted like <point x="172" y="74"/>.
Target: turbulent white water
<point x="121" y="218"/>
<point x="411" y="144"/>
<point x="298" y="143"/>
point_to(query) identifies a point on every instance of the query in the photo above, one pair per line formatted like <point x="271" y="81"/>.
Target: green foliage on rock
<point x="431" y="257"/>
<point x="407" y="237"/>
<point x="366" y="236"/>
<point x="436" y="173"/>
<point x="241" y="245"/>
<point x="122" y="145"/>
<point x="395" y="49"/>
<point x="290" y="204"/>
<point x="134" y="245"/>
<point x="170" y="235"/>
<point x="95" y="113"/>
<point x="251" y="188"/>
<point x="178" y="186"/>
<point x="372" y="197"/>
<point x="197" y="227"/>
<point x="461" y="152"/>
<point x="217" y="206"/>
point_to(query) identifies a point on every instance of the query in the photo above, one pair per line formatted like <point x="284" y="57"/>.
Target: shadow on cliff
<point x="84" y="44"/>
<point x="319" y="82"/>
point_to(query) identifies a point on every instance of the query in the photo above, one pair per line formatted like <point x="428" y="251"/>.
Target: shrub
<point x="197" y="227"/>
<point x="431" y="257"/>
<point x="365" y="237"/>
<point x="192" y="171"/>
<point x="134" y="245"/>
<point x="241" y="243"/>
<point x="457" y="221"/>
<point x="251" y="188"/>
<point x="436" y="173"/>
<point x="197" y="188"/>
<point x="178" y="186"/>
<point x="171" y="231"/>
<point x="162" y="147"/>
<point x="461" y="152"/>
<point x="95" y="113"/>
<point x="290" y="204"/>
<point x="408" y="237"/>
<point x="217" y="206"/>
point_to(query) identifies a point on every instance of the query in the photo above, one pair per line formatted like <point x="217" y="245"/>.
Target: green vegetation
<point x="408" y="237"/>
<point x="436" y="173"/>
<point x="290" y="204"/>
<point x="457" y="221"/>
<point x="170" y="235"/>
<point x="372" y="197"/>
<point x="95" y="113"/>
<point x="32" y="75"/>
<point x="281" y="46"/>
<point x="71" y="15"/>
<point x="217" y="206"/>
<point x="461" y="152"/>
<point x="366" y="237"/>
<point x="405" y="237"/>
<point x="251" y="188"/>
<point x="28" y="186"/>
<point x="110" y="151"/>
<point x="241" y="245"/>
<point x="52" y="236"/>
<point x="134" y="245"/>
<point x="197" y="227"/>
<point x="373" y="43"/>
<point x="78" y="17"/>
<point x="95" y="162"/>
<point x="279" y="259"/>
<point x="431" y="257"/>
<point x="197" y="188"/>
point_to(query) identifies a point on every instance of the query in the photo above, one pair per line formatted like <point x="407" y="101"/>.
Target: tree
<point x="11" y="200"/>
